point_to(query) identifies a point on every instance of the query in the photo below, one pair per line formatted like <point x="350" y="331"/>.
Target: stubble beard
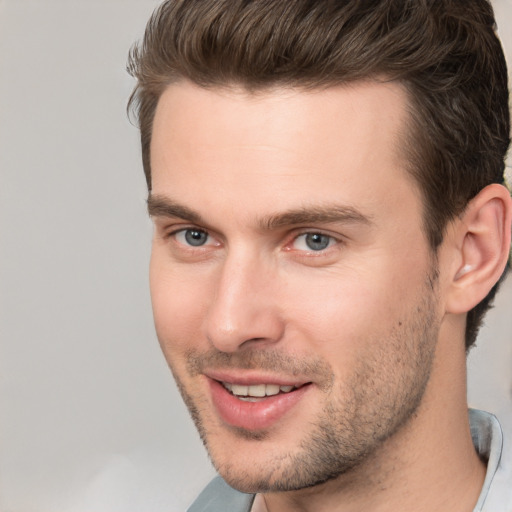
<point x="380" y="398"/>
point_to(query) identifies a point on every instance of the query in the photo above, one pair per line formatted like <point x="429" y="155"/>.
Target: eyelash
<point x="183" y="231"/>
<point x="324" y="237"/>
<point x="307" y="252"/>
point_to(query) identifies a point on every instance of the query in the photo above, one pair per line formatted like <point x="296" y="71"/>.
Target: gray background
<point x="90" y="420"/>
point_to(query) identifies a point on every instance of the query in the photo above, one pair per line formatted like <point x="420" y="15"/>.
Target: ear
<point x="482" y="242"/>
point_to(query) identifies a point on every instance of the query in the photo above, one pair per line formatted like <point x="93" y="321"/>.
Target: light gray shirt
<point x="491" y="445"/>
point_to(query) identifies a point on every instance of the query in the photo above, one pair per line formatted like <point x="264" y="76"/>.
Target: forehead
<point x="281" y="145"/>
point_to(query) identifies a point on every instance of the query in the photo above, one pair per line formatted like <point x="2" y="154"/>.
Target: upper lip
<point x="253" y="378"/>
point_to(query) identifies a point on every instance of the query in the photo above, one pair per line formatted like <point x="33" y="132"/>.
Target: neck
<point x="429" y="465"/>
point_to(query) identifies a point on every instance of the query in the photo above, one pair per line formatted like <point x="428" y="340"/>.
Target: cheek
<point x="179" y="305"/>
<point x="341" y="312"/>
<point x="338" y="301"/>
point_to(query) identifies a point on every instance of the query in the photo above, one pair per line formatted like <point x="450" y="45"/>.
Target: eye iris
<point x="195" y="237"/>
<point x="317" y="241"/>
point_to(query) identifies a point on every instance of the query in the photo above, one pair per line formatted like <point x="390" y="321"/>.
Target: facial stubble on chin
<point x="383" y="394"/>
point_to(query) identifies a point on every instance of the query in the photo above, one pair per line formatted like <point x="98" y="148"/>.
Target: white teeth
<point x="239" y="390"/>
<point x="271" y="389"/>
<point x="256" y="391"/>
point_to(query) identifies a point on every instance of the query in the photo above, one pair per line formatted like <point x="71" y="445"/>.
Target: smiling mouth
<point x="257" y="392"/>
<point x="256" y="405"/>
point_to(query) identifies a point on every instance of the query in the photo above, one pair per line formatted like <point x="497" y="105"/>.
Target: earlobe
<point x="483" y="234"/>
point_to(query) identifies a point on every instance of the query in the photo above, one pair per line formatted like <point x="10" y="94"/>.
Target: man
<point x="325" y="180"/>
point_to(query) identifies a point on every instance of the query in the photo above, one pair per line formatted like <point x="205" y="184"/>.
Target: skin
<point x="365" y="322"/>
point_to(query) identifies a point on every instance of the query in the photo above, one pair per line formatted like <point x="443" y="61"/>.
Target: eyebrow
<point x="163" y="206"/>
<point x="323" y="214"/>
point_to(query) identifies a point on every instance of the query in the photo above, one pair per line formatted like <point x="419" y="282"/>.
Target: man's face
<point x="293" y="289"/>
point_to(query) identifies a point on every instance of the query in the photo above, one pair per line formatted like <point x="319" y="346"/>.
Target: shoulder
<point x="218" y="496"/>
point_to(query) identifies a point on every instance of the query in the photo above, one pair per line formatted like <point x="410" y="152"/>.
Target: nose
<point x="244" y="310"/>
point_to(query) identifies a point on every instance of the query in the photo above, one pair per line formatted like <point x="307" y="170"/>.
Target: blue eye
<point x="192" y="237"/>
<point x="313" y="242"/>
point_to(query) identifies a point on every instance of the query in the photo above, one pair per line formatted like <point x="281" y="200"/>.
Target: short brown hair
<point x="445" y="52"/>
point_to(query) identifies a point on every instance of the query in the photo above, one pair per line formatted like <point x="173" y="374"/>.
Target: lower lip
<point x="254" y="416"/>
